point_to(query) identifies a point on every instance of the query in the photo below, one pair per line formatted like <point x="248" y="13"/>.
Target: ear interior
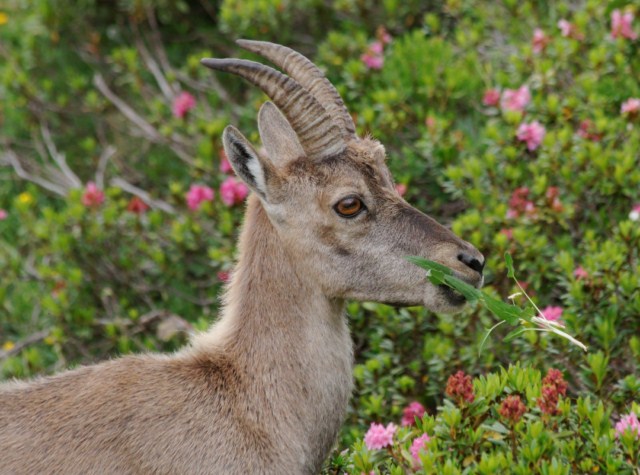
<point x="278" y="137"/>
<point x="245" y="160"/>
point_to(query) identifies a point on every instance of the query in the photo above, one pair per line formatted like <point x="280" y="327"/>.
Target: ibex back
<point x="264" y="391"/>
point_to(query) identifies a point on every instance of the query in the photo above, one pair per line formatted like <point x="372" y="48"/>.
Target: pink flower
<point x="621" y="25"/>
<point x="551" y="313"/>
<point x="566" y="28"/>
<point x="419" y="445"/>
<point x="225" y="166"/>
<point x="379" y="437"/>
<point x="587" y="130"/>
<point x="401" y="188"/>
<point x="553" y="198"/>
<point x="383" y="35"/>
<point x="634" y="214"/>
<point x="628" y="423"/>
<point x="197" y="194"/>
<point x="539" y="41"/>
<point x="520" y="204"/>
<point x="460" y="387"/>
<point x="413" y="410"/>
<point x="372" y="61"/>
<point x="580" y="273"/>
<point x="532" y="134"/>
<point x="182" y="104"/>
<point x="512" y="408"/>
<point x="630" y="106"/>
<point x="376" y="47"/>
<point x="373" y="58"/>
<point x="233" y="191"/>
<point x="137" y="206"/>
<point x="431" y="123"/>
<point x="223" y="276"/>
<point x="491" y="97"/>
<point x="507" y="232"/>
<point x="92" y="196"/>
<point x="516" y="99"/>
<point x="3" y="214"/>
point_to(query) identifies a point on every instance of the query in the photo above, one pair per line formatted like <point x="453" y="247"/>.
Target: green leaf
<point x="509" y="261"/>
<point x="429" y="265"/>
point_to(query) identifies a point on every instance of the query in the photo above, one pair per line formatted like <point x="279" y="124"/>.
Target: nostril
<point x="471" y="262"/>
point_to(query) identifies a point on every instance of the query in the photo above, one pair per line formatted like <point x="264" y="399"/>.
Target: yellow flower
<point x="25" y="198"/>
<point x="8" y="346"/>
<point x="4" y="18"/>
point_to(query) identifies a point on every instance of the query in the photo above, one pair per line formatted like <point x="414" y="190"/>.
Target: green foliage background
<point x="79" y="285"/>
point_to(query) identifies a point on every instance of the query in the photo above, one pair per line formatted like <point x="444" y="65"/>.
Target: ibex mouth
<point x="454" y="298"/>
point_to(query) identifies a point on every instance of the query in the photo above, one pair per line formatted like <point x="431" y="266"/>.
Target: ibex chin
<point x="265" y="390"/>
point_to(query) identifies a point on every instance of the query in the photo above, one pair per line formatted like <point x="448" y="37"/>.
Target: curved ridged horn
<point x="308" y="76"/>
<point x="318" y="135"/>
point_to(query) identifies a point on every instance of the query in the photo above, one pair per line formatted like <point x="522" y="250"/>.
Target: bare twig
<point x="59" y="158"/>
<point x="168" y="92"/>
<point x="151" y="133"/>
<point x="10" y="157"/>
<point x="19" y="346"/>
<point x="105" y="156"/>
<point x="143" y="195"/>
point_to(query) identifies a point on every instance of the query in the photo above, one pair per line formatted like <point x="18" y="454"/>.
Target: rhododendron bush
<point x="514" y="123"/>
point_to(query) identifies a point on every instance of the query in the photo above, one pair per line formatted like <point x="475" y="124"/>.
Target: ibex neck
<point x="289" y="340"/>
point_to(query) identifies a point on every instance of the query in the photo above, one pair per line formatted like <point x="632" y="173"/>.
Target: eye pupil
<point x="349" y="207"/>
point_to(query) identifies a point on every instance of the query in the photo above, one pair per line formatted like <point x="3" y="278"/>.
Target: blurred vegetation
<point x="86" y="95"/>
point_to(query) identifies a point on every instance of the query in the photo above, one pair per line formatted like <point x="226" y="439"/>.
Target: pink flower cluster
<point x="3" y="214"/>
<point x="630" y="107"/>
<point x="233" y="191"/>
<point x="539" y="41"/>
<point x="418" y="445"/>
<point x="409" y="414"/>
<point x="510" y="100"/>
<point x="182" y="104"/>
<point x="137" y="206"/>
<point x="553" y="198"/>
<point x="379" y="436"/>
<point x="621" y="25"/>
<point x="460" y="387"/>
<point x="628" y="423"/>
<point x="532" y="134"/>
<point x="512" y="408"/>
<point x="552" y="313"/>
<point x="587" y="130"/>
<point x="373" y="58"/>
<point x="516" y="99"/>
<point x="553" y="386"/>
<point x="569" y="30"/>
<point x="580" y="273"/>
<point x="198" y="194"/>
<point x="92" y="197"/>
<point x="520" y="204"/>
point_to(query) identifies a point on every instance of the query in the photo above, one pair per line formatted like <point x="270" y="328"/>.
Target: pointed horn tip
<point x="248" y="44"/>
<point x="210" y="62"/>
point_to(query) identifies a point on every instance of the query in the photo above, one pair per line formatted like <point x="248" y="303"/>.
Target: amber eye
<point x="349" y="207"/>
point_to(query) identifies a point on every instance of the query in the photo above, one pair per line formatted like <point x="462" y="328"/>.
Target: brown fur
<point x="265" y="390"/>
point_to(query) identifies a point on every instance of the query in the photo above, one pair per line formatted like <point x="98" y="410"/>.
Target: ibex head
<point x="330" y="195"/>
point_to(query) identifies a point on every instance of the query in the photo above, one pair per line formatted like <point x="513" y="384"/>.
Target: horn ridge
<point x="319" y="136"/>
<point x="309" y="76"/>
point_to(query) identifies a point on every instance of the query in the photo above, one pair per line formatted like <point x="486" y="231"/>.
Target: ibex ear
<point x="278" y="138"/>
<point x="245" y="161"/>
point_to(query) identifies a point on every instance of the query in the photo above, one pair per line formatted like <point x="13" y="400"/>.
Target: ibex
<point x="265" y="390"/>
